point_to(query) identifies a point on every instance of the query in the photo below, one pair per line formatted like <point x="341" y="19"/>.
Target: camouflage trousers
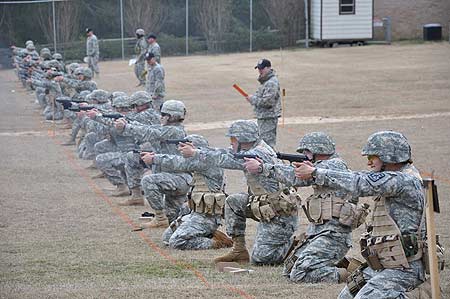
<point x="157" y="103"/>
<point x="93" y="64"/>
<point x="40" y="96"/>
<point x="268" y="130"/>
<point x="273" y="237"/>
<point x="139" y="69"/>
<point x="86" y="150"/>
<point x="165" y="191"/>
<point x="388" y="283"/>
<point x="53" y="112"/>
<point x="194" y="233"/>
<point x="112" y="164"/>
<point x="133" y="169"/>
<point x="317" y="257"/>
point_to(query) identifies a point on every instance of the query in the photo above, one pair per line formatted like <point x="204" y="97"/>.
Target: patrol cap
<point x="149" y="55"/>
<point x="88" y="30"/>
<point x="151" y="35"/>
<point x="263" y="63"/>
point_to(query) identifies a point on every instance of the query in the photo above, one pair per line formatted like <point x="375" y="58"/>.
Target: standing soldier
<point x="393" y="243"/>
<point x="266" y="102"/>
<point x="140" y="49"/>
<point x="155" y="81"/>
<point x="92" y="51"/>
<point x="153" y="47"/>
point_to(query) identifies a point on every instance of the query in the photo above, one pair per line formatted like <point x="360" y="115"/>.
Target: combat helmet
<point x="116" y="94"/>
<point x="174" y="108"/>
<point x="81" y="96"/>
<point x="244" y="131"/>
<point x="140" y="32"/>
<point x="85" y="71"/>
<point x="54" y="64"/>
<point x="30" y="47"/>
<point x="99" y="95"/>
<point x="198" y="140"/>
<point x="389" y="146"/>
<point x="72" y="67"/>
<point x="140" y="98"/>
<point x="57" y="56"/>
<point x="121" y="101"/>
<point x="45" y="54"/>
<point x="29" y="42"/>
<point x="317" y="143"/>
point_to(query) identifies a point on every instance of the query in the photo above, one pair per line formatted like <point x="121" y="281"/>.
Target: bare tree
<point x="67" y="20"/>
<point x="149" y="15"/>
<point x="44" y="20"/>
<point x="288" y="17"/>
<point x="214" y="18"/>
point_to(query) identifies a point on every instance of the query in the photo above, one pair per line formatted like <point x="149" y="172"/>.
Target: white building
<point x="347" y="21"/>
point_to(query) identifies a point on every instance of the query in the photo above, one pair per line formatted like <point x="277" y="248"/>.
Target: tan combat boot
<point x="220" y="240"/>
<point x="122" y="190"/>
<point x="136" y="193"/>
<point x="238" y="253"/>
<point x="160" y="220"/>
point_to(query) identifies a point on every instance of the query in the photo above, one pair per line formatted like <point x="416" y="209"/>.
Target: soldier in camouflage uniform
<point x="140" y="49"/>
<point x="82" y="81"/>
<point x="196" y="230"/>
<point x="153" y="47"/>
<point x="267" y="201"/>
<point x="144" y="115"/>
<point x="112" y="163"/>
<point x="45" y="54"/>
<point x="95" y="131"/>
<point x="92" y="51"/>
<point x="165" y="191"/>
<point x="328" y="237"/>
<point x="392" y="268"/>
<point x="155" y="81"/>
<point x="266" y="102"/>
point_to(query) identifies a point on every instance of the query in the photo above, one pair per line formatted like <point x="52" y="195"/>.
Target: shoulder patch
<point x="376" y="176"/>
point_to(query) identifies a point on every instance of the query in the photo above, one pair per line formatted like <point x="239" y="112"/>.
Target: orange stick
<point x="240" y="90"/>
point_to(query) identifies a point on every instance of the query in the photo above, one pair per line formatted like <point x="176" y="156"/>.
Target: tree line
<point x="220" y="23"/>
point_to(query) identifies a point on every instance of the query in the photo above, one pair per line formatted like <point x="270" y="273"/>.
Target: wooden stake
<point x="431" y="239"/>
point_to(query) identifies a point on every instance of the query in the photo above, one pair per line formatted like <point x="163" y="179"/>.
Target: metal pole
<point x="251" y="25"/>
<point x="121" y="28"/>
<point x="306" y="24"/>
<point x="187" y="27"/>
<point x="54" y="25"/>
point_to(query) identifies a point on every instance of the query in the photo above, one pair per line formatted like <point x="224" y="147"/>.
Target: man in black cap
<point x="266" y="102"/>
<point x="155" y="85"/>
<point x="92" y="51"/>
<point x="153" y="47"/>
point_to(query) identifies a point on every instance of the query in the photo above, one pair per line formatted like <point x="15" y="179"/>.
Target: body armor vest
<point x="383" y="247"/>
<point x="204" y="201"/>
<point x="323" y="206"/>
<point x="266" y="206"/>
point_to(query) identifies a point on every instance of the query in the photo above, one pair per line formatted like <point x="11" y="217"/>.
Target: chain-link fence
<point x="182" y="26"/>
